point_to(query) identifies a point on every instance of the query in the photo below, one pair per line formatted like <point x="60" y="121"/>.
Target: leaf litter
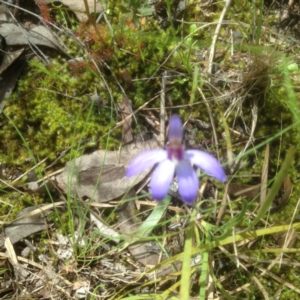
<point x="15" y="38"/>
<point x="95" y="181"/>
<point x="79" y="7"/>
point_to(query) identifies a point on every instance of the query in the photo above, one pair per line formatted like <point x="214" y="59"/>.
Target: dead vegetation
<point x="81" y="229"/>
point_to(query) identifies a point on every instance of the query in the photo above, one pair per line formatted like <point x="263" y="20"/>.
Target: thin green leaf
<point x="153" y="219"/>
<point x="186" y="264"/>
<point x="239" y="236"/>
<point x="287" y="163"/>
<point x="148" y="225"/>
<point x="204" y="274"/>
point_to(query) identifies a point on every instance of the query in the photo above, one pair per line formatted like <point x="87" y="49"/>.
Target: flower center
<point x="175" y="150"/>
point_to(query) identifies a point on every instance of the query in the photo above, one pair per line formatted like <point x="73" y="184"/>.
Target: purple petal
<point x="207" y="163"/>
<point x="188" y="183"/>
<point x="161" y="179"/>
<point x="175" y="128"/>
<point x="145" y="160"/>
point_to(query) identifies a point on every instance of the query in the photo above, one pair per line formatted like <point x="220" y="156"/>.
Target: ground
<point x="90" y="87"/>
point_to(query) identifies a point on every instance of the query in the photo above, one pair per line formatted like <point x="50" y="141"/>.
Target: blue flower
<point x="175" y="160"/>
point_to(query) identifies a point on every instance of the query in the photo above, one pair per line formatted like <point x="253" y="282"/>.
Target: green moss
<point x="13" y="202"/>
<point x="43" y="118"/>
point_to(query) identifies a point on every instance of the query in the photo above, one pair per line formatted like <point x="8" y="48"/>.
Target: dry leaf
<point x="78" y="7"/>
<point x="105" y="230"/>
<point x="8" y="58"/>
<point x="101" y="175"/>
<point x="10" y="77"/>
<point x="284" y="196"/>
<point x="26" y="226"/>
<point x="39" y="35"/>
<point x="128" y="224"/>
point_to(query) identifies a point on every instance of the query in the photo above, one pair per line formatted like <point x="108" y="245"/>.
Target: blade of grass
<point x="239" y="236"/>
<point x="203" y="276"/>
<point x="274" y="137"/>
<point x="287" y="163"/>
<point x="186" y="262"/>
<point x="194" y="85"/>
<point x="147" y="297"/>
<point x="149" y="224"/>
<point x="291" y="99"/>
<point x="257" y="19"/>
<point x="186" y="265"/>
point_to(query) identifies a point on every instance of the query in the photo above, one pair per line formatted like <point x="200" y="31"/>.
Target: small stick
<point x="214" y="41"/>
<point x="162" y="137"/>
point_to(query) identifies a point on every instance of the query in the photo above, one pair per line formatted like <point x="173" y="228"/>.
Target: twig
<point x="211" y="119"/>
<point x="34" y="167"/>
<point x="264" y="176"/>
<point x="162" y="137"/>
<point x="214" y="41"/>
